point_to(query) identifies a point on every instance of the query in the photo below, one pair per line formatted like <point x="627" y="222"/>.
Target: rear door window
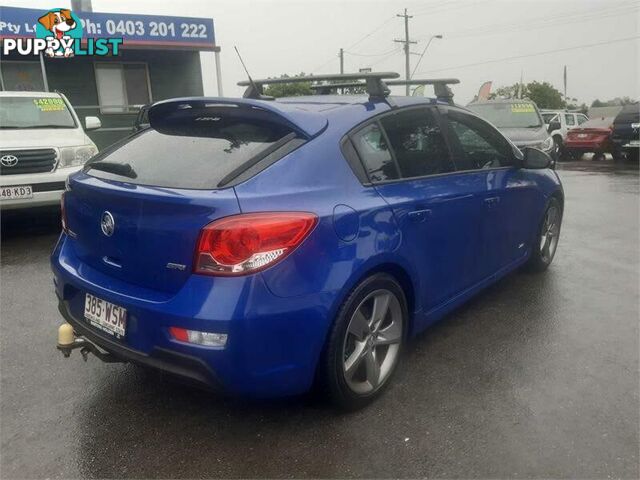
<point x="569" y="119"/>
<point x="197" y="153"/>
<point x="417" y="143"/>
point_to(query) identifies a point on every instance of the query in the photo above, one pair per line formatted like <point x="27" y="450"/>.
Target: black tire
<point x="598" y="157"/>
<point x="561" y="153"/>
<point x="333" y="376"/>
<point x="539" y="260"/>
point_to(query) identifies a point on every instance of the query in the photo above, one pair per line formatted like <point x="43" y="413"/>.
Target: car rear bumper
<point x="630" y="144"/>
<point x="47" y="188"/>
<point x="182" y="366"/>
<point x="273" y="343"/>
<point x="588" y="146"/>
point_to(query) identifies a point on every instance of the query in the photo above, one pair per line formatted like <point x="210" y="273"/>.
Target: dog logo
<point x="63" y="25"/>
<point x="107" y="224"/>
<point x="9" y="160"/>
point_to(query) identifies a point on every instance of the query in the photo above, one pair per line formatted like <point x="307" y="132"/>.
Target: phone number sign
<point x="135" y="30"/>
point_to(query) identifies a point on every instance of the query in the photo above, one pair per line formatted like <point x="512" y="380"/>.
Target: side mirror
<point x="553" y="125"/>
<point x="535" y="159"/>
<point x="92" y="123"/>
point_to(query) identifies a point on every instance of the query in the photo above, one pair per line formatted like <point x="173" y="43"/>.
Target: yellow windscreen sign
<point x="522" y="108"/>
<point x="49" y="104"/>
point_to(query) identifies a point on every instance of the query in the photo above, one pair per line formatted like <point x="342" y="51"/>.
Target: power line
<point x="529" y="25"/>
<point x="364" y="37"/>
<point x="533" y="54"/>
<point x="370" y="54"/>
<point x="384" y="58"/>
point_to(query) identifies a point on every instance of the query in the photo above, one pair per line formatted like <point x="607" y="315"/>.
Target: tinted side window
<point x="568" y="118"/>
<point x="479" y="144"/>
<point x="372" y="147"/>
<point x="417" y="142"/>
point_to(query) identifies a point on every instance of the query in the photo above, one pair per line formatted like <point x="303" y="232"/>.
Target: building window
<point x="122" y="87"/>
<point x="22" y="76"/>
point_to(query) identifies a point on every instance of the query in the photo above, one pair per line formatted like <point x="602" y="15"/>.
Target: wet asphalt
<point x="535" y="377"/>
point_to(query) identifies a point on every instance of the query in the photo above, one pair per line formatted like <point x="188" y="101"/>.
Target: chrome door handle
<point x="492" y="201"/>
<point x="419" y="215"/>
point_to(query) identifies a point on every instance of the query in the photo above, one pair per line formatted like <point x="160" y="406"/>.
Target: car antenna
<point x="256" y="91"/>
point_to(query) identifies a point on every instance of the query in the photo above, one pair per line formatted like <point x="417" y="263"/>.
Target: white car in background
<point x="558" y="123"/>
<point x="41" y="143"/>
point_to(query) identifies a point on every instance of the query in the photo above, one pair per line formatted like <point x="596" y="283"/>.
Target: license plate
<point x="583" y="135"/>
<point x="104" y="315"/>
<point x="16" y="193"/>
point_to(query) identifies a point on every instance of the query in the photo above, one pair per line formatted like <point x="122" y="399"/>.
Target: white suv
<point x="559" y="122"/>
<point x="41" y="143"/>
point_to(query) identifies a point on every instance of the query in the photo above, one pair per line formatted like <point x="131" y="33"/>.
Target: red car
<point x="593" y="136"/>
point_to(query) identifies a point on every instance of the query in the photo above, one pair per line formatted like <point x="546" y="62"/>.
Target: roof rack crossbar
<point x="376" y="87"/>
<point x="440" y="86"/>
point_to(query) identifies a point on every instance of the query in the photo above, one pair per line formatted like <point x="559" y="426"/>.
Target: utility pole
<point x="341" y="55"/>
<point x="407" y="43"/>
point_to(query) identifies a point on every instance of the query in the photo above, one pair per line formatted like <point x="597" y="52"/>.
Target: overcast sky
<point x="481" y="39"/>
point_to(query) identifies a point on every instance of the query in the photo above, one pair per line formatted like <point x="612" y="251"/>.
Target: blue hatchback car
<point x="260" y="246"/>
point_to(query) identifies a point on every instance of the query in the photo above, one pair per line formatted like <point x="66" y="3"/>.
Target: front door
<point x="508" y="192"/>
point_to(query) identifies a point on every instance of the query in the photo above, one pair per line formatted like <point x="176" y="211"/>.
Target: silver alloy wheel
<point x="372" y="341"/>
<point x="550" y="233"/>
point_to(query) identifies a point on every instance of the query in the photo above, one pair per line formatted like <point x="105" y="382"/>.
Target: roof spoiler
<point x="165" y="114"/>
<point x="373" y="81"/>
<point x="440" y="86"/>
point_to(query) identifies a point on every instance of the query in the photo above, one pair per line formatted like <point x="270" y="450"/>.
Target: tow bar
<point x="68" y="341"/>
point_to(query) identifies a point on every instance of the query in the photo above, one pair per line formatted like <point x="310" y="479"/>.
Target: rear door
<point x="161" y="187"/>
<point x="507" y="193"/>
<point x="438" y="212"/>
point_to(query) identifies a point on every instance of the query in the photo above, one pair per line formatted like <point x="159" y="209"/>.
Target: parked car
<point x="520" y="121"/>
<point x="260" y="246"/>
<point x="625" y="136"/>
<point x="558" y="123"/>
<point x="41" y="142"/>
<point x="593" y="136"/>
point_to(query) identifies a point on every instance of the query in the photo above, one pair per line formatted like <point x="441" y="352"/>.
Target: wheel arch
<point x="559" y="195"/>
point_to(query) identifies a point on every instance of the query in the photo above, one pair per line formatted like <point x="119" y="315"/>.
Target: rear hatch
<point x="626" y="125"/>
<point x="162" y="185"/>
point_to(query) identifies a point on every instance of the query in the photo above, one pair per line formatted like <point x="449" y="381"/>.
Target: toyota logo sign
<point x="9" y="160"/>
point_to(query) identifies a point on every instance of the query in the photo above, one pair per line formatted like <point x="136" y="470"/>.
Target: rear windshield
<point x="598" y="122"/>
<point x="508" y="115"/>
<point x="34" y="112"/>
<point x="194" y="155"/>
<point x="629" y="114"/>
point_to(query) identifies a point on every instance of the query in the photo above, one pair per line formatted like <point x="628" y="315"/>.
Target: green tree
<point x="288" y="89"/>
<point x="545" y="95"/>
<point x="509" y="91"/>
<point x="618" y="101"/>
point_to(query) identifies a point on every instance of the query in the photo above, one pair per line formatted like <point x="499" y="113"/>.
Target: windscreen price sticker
<point x="49" y="104"/>
<point x="522" y="108"/>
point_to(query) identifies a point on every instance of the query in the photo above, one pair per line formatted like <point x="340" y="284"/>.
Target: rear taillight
<point x="63" y="215"/>
<point x="247" y="243"/>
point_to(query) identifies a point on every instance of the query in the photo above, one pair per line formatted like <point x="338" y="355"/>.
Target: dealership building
<point x="159" y="58"/>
